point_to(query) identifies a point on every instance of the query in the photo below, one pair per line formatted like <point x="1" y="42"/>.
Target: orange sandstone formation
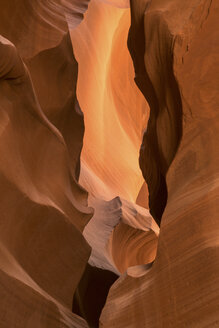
<point x="43" y="209"/>
<point x="174" y="48"/>
<point x="120" y="233"/>
<point x="114" y="110"/>
<point x="83" y="116"/>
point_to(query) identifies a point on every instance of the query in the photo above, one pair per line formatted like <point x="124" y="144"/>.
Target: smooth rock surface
<point x="181" y="288"/>
<point x="76" y="222"/>
<point x="43" y="208"/>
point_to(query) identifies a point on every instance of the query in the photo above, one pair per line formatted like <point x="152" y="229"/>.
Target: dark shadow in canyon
<point x="155" y="78"/>
<point x="91" y="293"/>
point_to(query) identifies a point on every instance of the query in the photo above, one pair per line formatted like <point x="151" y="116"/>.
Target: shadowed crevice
<point x="155" y="78"/>
<point x="91" y="294"/>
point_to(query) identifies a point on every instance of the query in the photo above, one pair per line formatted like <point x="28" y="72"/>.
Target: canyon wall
<point x="80" y="242"/>
<point x="120" y="233"/>
<point x="43" y="208"/>
<point x="174" y="48"/>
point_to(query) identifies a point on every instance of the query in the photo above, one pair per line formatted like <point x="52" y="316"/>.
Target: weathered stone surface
<point x="180" y="50"/>
<point x="43" y="208"/>
<point x="49" y="237"/>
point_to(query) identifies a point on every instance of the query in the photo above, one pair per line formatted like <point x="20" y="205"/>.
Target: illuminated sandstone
<point x="179" y="67"/>
<point x="73" y="130"/>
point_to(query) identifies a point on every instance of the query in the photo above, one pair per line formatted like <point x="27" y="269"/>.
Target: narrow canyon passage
<point x="115" y="114"/>
<point x="121" y="233"/>
<point x="78" y="245"/>
<point x="115" y="111"/>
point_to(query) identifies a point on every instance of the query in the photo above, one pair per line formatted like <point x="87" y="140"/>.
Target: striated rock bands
<point x="43" y="209"/>
<point x="79" y="245"/>
<point x="177" y="66"/>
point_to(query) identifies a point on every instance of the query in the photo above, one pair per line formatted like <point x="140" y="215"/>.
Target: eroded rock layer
<point x="62" y="242"/>
<point x="177" y="71"/>
<point x="43" y="208"/>
<point x="115" y="112"/>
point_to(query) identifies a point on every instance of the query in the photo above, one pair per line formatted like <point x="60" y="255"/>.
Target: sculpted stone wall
<point x="179" y="64"/>
<point x="43" y="208"/>
<point x="80" y="243"/>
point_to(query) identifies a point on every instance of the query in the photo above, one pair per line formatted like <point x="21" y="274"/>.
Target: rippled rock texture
<point x="174" y="49"/>
<point x="43" y="208"/>
<point x="80" y="243"/>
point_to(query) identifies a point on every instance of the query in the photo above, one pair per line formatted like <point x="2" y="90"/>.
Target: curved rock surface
<point x="76" y="221"/>
<point x="41" y="139"/>
<point x="106" y="125"/>
<point x="106" y="69"/>
<point x="180" y="288"/>
<point x="120" y="233"/>
<point x="44" y="210"/>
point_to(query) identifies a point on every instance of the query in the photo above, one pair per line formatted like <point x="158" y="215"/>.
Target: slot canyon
<point x="109" y="175"/>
